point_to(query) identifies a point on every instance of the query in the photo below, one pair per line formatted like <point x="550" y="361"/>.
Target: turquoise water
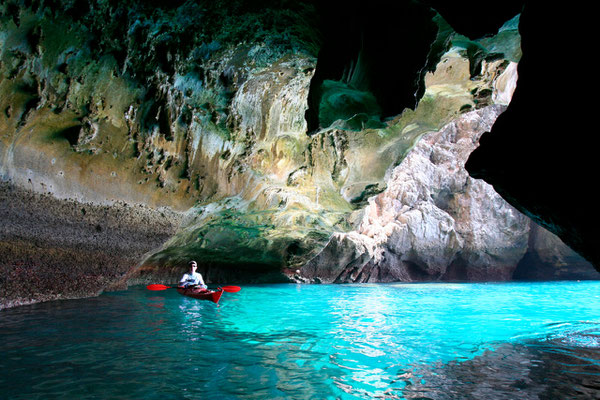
<point x="438" y="341"/>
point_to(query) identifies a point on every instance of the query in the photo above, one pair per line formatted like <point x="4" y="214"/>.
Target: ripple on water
<point x="437" y="341"/>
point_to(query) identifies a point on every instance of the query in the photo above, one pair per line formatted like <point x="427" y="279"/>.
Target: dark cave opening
<point x="376" y="53"/>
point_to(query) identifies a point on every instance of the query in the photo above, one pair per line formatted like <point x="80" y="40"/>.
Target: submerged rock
<point x="552" y="367"/>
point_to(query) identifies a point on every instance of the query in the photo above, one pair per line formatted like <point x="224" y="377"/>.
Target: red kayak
<point x="196" y="292"/>
<point x="201" y="294"/>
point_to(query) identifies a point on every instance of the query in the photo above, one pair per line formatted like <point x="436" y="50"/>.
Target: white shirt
<point x="192" y="279"/>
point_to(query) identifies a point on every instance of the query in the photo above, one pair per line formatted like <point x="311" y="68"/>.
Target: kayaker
<point x="192" y="278"/>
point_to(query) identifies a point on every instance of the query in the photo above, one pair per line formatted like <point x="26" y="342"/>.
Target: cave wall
<point x="164" y="105"/>
<point x="266" y="130"/>
<point x="60" y="249"/>
<point x="547" y="175"/>
<point x="435" y="223"/>
<point x="135" y="102"/>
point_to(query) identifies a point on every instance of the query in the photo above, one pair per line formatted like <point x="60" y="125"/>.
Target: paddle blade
<point x="231" y="289"/>
<point x="157" y="287"/>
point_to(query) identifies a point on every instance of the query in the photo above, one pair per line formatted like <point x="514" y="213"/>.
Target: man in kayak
<point x="192" y="278"/>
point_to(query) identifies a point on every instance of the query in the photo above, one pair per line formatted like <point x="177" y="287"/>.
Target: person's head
<point x="193" y="266"/>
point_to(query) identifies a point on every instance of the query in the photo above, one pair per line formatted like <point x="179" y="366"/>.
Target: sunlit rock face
<point x="314" y="191"/>
<point x="433" y="222"/>
<point x="269" y="155"/>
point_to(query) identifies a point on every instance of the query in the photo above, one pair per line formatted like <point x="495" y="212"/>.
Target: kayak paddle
<point x="231" y="289"/>
<point x="156" y="286"/>
<point x="159" y="287"/>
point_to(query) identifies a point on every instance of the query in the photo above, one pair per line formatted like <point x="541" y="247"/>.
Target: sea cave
<point x="327" y="166"/>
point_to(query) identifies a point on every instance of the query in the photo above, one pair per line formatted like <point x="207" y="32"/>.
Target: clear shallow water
<point x="438" y="341"/>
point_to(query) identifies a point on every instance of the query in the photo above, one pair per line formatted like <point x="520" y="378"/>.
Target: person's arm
<point x="201" y="281"/>
<point x="183" y="280"/>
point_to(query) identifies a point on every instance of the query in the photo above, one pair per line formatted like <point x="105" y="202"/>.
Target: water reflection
<point x="310" y="342"/>
<point x="562" y="365"/>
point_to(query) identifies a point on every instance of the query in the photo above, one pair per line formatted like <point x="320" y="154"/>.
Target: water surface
<point x="436" y="341"/>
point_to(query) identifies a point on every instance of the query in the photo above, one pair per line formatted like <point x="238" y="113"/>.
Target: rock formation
<point x="231" y="133"/>
<point x="435" y="222"/>
<point x="159" y="105"/>
<point x="548" y="258"/>
<point x="59" y="249"/>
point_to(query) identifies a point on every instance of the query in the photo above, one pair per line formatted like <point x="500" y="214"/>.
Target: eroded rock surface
<point x="201" y="108"/>
<point x="113" y="105"/>
<point x="53" y="249"/>
<point x="435" y="222"/>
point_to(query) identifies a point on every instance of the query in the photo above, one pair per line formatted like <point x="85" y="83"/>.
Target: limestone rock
<point x="53" y="249"/>
<point x="433" y="221"/>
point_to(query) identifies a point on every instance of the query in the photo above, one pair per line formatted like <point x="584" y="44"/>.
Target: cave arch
<point x="379" y="49"/>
